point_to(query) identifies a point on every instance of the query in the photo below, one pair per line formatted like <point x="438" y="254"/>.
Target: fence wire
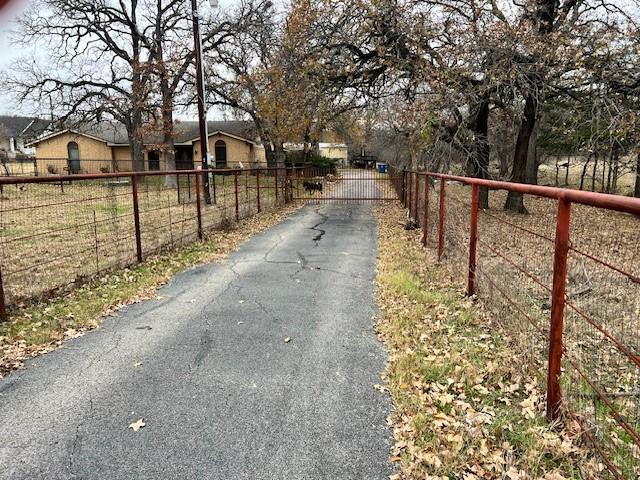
<point x="514" y="279"/>
<point x="59" y="231"/>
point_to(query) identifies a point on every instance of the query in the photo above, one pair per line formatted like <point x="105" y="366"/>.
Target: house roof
<point x="114" y="133"/>
<point x="27" y="127"/>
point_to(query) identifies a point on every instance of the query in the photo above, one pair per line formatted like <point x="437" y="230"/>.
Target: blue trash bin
<point x="382" y="168"/>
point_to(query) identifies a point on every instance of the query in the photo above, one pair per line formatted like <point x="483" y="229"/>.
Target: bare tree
<point x="94" y="68"/>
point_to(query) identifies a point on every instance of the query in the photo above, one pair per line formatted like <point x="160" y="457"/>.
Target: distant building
<point x="105" y="147"/>
<point x="336" y="151"/>
<point x="17" y="132"/>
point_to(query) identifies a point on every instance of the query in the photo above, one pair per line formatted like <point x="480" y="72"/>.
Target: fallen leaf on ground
<point x="135" y="426"/>
<point x="287" y="339"/>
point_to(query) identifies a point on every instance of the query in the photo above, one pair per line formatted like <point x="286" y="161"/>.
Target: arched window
<point x="221" y="154"/>
<point x="73" y="153"/>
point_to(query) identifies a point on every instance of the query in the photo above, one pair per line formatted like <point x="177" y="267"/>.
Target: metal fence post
<point x="199" y="207"/>
<point x="409" y="192"/>
<point x="136" y="216"/>
<point x="235" y="188"/>
<point x="276" y="185"/>
<point x="416" y="183"/>
<point x="554" y="395"/>
<point x="3" y="306"/>
<point x="215" y="194"/>
<point x="404" y="186"/>
<point x="258" y="188"/>
<point x="425" y="217"/>
<point x="441" y="219"/>
<point x="473" y="240"/>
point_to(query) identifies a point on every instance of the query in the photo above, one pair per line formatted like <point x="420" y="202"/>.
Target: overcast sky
<point x="7" y="52"/>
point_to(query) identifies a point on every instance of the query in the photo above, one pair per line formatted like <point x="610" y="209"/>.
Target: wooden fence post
<point x="136" y="216"/>
<point x="554" y="394"/>
<point x="473" y="240"/>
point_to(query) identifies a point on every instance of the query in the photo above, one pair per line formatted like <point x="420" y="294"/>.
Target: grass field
<point x="547" y="176"/>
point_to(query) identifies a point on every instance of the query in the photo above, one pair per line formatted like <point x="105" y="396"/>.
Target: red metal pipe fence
<point x="563" y="280"/>
<point x="60" y="230"/>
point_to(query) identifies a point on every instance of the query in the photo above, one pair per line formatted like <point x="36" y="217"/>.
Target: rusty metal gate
<point x="342" y="185"/>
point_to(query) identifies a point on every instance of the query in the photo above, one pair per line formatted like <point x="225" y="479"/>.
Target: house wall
<point x="339" y="153"/>
<point x="94" y="154"/>
<point x="237" y="152"/>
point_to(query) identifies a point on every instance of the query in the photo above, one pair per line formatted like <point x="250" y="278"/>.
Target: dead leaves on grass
<point x="466" y="405"/>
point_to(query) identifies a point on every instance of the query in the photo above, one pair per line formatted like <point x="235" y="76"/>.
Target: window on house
<point x="153" y="160"/>
<point x="221" y="154"/>
<point x="73" y="153"/>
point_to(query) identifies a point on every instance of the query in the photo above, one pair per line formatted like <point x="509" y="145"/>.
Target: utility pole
<point x="202" y="110"/>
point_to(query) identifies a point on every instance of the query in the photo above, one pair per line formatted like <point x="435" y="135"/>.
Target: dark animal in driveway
<point x="312" y="186"/>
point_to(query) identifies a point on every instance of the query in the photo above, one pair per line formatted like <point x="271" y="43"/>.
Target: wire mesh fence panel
<point x="433" y="209"/>
<point x="590" y="363"/>
<point x="602" y="334"/>
<point x="457" y="215"/>
<point x="515" y="269"/>
<point x="18" y="167"/>
<point x="167" y="206"/>
<point x="56" y="233"/>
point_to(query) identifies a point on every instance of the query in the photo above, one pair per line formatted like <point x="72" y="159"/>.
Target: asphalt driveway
<point x="206" y="364"/>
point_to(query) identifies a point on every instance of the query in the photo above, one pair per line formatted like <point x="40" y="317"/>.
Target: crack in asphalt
<point x="77" y="438"/>
<point x="320" y="231"/>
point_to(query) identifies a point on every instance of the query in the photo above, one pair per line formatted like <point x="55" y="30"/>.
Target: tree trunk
<point x="533" y="162"/>
<point x="515" y="201"/>
<point x="168" y="144"/>
<point x="480" y="159"/>
<point x="306" y="147"/>
<point x="584" y="172"/>
<point x="566" y="173"/>
<point x="269" y="154"/>
<point x="594" y="172"/>
<point x="137" y="151"/>
<point x="616" y="170"/>
<point x="612" y="155"/>
<point x="279" y="154"/>
<point x="636" y="190"/>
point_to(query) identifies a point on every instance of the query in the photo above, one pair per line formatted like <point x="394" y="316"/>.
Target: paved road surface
<point x="223" y="396"/>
